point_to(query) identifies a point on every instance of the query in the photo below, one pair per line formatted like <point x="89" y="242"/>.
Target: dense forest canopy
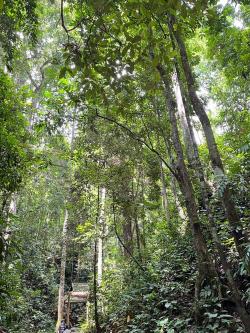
<point x="124" y="166"/>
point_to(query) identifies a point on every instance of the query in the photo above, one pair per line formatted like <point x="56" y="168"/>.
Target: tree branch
<point x="123" y="245"/>
<point x="134" y="136"/>
<point x="35" y="84"/>
<point x="63" y="22"/>
<point x="32" y="81"/>
<point x="62" y="18"/>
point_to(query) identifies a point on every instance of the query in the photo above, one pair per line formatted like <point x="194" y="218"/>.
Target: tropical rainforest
<point x="124" y="166"/>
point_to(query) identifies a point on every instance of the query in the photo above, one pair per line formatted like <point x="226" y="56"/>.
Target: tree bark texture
<point x="177" y="204"/>
<point x="204" y="261"/>
<point x="236" y="293"/>
<point x="214" y="154"/>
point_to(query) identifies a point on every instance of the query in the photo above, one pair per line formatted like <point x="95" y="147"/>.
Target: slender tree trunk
<point x="127" y="226"/>
<point x="173" y="184"/>
<point x="205" y="264"/>
<point x="177" y="203"/>
<point x="127" y="231"/>
<point x="143" y="233"/>
<point x="68" y="311"/>
<point x="5" y="197"/>
<point x="138" y="237"/>
<point x="214" y="154"/>
<point x="101" y="225"/>
<point x="60" y="314"/>
<point x="96" y="314"/>
<point x="165" y="202"/>
<point x="10" y="207"/>
<point x="182" y="117"/>
<point x="135" y="195"/>
<point x="95" y="268"/>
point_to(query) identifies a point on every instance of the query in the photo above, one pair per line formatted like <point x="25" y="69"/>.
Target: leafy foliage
<point x="102" y="97"/>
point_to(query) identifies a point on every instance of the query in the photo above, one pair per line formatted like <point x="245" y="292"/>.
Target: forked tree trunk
<point x="214" y="154"/>
<point x="60" y="314"/>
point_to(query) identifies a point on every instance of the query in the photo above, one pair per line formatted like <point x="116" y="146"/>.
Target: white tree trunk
<point x="182" y="117"/>
<point x="101" y="225"/>
<point x="62" y="272"/>
<point x="11" y="209"/>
